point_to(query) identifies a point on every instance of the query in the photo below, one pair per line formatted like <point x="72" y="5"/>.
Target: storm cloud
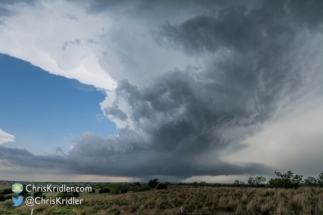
<point x="183" y="122"/>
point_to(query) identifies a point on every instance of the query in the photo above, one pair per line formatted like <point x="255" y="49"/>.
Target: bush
<point x="137" y="184"/>
<point x="121" y="189"/>
<point x="104" y="190"/>
<point x="2" y="198"/>
<point x="153" y="183"/>
<point x="311" y="181"/>
<point x="202" y="183"/>
<point x="287" y="180"/>
<point x="320" y="180"/>
<point x="65" y="195"/>
<point x="37" y="194"/>
<point x="100" y="186"/>
<point x="238" y="183"/>
<point x="256" y="181"/>
<point x="7" y="191"/>
<point x="161" y="186"/>
<point x="141" y="188"/>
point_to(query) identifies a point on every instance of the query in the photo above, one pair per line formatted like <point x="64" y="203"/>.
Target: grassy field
<point x="194" y="200"/>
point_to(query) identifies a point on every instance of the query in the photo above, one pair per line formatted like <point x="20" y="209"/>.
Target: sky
<point x="179" y="90"/>
<point x="44" y="111"/>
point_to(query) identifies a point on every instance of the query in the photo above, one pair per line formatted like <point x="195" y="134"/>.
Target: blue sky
<point x="44" y="111"/>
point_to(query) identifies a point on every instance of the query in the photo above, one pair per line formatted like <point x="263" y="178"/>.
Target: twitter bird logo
<point x="17" y="201"/>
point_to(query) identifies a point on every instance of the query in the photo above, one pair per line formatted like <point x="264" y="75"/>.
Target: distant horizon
<point x="162" y="181"/>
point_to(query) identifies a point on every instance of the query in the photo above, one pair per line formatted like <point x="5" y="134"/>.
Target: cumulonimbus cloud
<point x="182" y="118"/>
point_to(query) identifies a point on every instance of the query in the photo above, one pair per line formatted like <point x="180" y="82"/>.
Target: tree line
<point x="282" y="180"/>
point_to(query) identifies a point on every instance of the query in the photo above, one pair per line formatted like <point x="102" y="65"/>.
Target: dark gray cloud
<point x="186" y="114"/>
<point x="307" y="13"/>
<point x="155" y="11"/>
<point x="6" y="12"/>
<point x="116" y="112"/>
<point x="183" y="120"/>
<point x="266" y="30"/>
<point x="24" y="158"/>
<point x="100" y="160"/>
<point x="104" y="5"/>
<point x="9" y="2"/>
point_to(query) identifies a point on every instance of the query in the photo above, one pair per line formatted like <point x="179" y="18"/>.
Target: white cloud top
<point x="5" y="137"/>
<point x="64" y="44"/>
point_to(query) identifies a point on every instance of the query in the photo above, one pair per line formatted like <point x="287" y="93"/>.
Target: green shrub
<point x="65" y="195"/>
<point x="124" y="188"/>
<point x="202" y="183"/>
<point x="161" y="186"/>
<point x="320" y="180"/>
<point x="137" y="184"/>
<point x="153" y="183"/>
<point x="256" y="181"/>
<point x="104" y="190"/>
<point x="2" y="198"/>
<point x="37" y="194"/>
<point x="238" y="183"/>
<point x="141" y="188"/>
<point x="287" y="180"/>
<point x="7" y="191"/>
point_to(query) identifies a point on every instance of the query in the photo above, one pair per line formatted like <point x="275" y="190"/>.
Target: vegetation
<point x="315" y="182"/>
<point x="7" y="191"/>
<point x="2" y="198"/>
<point x="287" y="180"/>
<point x="121" y="188"/>
<point x="152" y="183"/>
<point x="256" y="181"/>
<point x="194" y="200"/>
<point x="68" y="195"/>
<point x="286" y="193"/>
<point x="39" y="194"/>
<point x="238" y="183"/>
<point x="161" y="186"/>
<point x="104" y="190"/>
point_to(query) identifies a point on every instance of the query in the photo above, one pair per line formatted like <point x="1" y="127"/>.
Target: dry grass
<point x="199" y="200"/>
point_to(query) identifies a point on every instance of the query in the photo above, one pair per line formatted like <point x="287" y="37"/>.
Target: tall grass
<point x="195" y="200"/>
